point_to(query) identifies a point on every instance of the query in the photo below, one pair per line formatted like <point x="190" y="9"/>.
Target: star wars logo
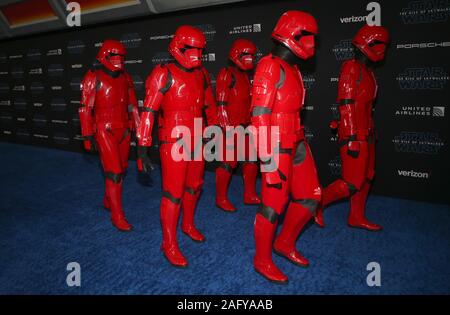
<point x="162" y="57"/>
<point x="251" y="28"/>
<point x="207" y="29"/>
<point x="418" y="142"/>
<point x="335" y="111"/>
<point x="309" y="135"/>
<point x="131" y="40"/>
<point x="335" y="166"/>
<point x="308" y="81"/>
<point x="426" y="78"/>
<point x="426" y="11"/>
<point x="344" y="50"/>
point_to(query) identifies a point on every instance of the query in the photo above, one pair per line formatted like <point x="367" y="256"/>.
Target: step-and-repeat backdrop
<point x="40" y="80"/>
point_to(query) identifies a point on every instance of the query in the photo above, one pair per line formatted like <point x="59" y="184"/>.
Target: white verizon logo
<point x="414" y="174"/>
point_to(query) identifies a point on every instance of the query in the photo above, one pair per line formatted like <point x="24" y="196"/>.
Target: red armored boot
<point x="194" y="183"/>
<point x="335" y="191"/>
<point x="114" y="190"/>
<point x="223" y="178"/>
<point x="170" y="212"/>
<point x="263" y="263"/>
<point x="296" y="218"/>
<point x="249" y="173"/>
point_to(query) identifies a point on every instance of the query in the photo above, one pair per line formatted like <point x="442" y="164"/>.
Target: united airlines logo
<point x="55" y="52"/>
<point x="438" y="111"/>
<point x="421" y="111"/>
<point x="426" y="11"/>
<point x="426" y="78"/>
<point x="250" y="28"/>
<point x="418" y="142"/>
<point x="209" y="57"/>
<point x="35" y="71"/>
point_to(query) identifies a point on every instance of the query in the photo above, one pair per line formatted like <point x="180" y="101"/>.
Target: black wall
<point x="40" y="76"/>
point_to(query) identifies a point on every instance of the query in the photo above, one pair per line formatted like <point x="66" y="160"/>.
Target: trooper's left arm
<point x="133" y="110"/>
<point x="216" y="115"/>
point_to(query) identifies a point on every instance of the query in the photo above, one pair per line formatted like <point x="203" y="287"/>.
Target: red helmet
<point x="187" y="45"/>
<point x="372" y="41"/>
<point x="112" y="55"/>
<point x="296" y="30"/>
<point x="242" y="53"/>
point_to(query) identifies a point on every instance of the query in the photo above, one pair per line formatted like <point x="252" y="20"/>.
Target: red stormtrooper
<point x="356" y="93"/>
<point x="108" y="114"/>
<point x="180" y="92"/>
<point x="233" y="92"/>
<point x="277" y="99"/>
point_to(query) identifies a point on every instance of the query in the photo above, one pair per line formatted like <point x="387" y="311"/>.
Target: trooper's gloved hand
<point x="353" y="149"/>
<point x="89" y="143"/>
<point x="143" y="162"/>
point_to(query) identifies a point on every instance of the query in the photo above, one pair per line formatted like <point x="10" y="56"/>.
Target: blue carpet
<point x="51" y="214"/>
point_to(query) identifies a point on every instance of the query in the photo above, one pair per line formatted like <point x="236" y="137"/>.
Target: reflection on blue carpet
<point x="51" y="214"/>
